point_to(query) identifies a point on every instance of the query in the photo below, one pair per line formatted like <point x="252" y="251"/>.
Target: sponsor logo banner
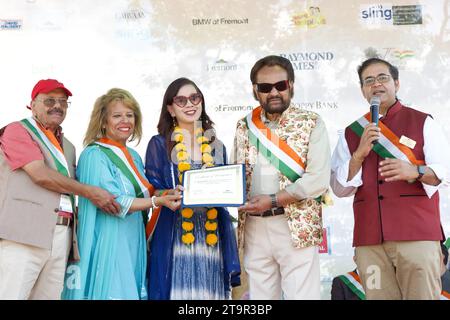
<point x="231" y="108"/>
<point x="218" y="21"/>
<point x="10" y="24"/>
<point x="310" y="18"/>
<point x="308" y="60"/>
<point x="222" y="65"/>
<point x="387" y="14"/>
<point x="405" y="15"/>
<point x="397" y="56"/>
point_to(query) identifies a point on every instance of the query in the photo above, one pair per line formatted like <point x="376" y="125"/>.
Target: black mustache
<point x="61" y="112"/>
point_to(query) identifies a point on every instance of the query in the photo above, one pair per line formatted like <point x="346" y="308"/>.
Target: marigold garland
<point x="184" y="164"/>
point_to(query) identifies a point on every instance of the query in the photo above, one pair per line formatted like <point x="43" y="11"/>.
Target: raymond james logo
<point x="10" y="24"/>
<point x="388" y="14"/>
<point x="218" y="21"/>
<point x="221" y="65"/>
<point x="228" y="108"/>
<point x="310" y="18"/>
<point x="307" y="60"/>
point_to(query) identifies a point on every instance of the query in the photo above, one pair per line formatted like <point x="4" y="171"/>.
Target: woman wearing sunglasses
<point x="193" y="251"/>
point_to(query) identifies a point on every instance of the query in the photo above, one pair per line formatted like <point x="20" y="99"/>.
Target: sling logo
<point x="378" y="13"/>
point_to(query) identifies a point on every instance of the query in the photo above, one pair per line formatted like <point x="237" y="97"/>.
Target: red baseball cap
<point x="47" y="85"/>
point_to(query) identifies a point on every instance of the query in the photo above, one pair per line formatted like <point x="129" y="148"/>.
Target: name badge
<point x="410" y="143"/>
<point x="65" y="204"/>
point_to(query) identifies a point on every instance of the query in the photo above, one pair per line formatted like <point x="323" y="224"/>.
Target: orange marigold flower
<point x="211" y="226"/>
<point x="187" y="226"/>
<point x="178" y="137"/>
<point x="183" y="166"/>
<point x="187" y="213"/>
<point x="211" y="239"/>
<point x="202" y="139"/>
<point x="180" y="147"/>
<point x="182" y="155"/>
<point x="206" y="148"/>
<point x="188" y="238"/>
<point x="206" y="157"/>
<point x="211" y="214"/>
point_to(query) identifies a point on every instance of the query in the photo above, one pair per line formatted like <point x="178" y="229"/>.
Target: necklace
<point x="184" y="164"/>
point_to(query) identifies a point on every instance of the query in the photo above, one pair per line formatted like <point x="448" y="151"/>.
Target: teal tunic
<point x="112" y="248"/>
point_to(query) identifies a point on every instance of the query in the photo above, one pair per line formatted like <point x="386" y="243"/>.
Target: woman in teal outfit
<point x="113" y="247"/>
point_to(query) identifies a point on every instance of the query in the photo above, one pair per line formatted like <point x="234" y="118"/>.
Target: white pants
<point x="275" y="268"/>
<point x="28" y="272"/>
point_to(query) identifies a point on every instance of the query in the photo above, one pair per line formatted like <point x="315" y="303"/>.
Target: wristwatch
<point x="273" y="199"/>
<point x="421" y="170"/>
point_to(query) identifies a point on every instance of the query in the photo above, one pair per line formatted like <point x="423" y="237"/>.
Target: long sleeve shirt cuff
<point x="125" y="204"/>
<point x="441" y="173"/>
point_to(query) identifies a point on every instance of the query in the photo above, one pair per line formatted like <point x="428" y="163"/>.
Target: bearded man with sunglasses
<point x="395" y="183"/>
<point x="37" y="206"/>
<point x="287" y="156"/>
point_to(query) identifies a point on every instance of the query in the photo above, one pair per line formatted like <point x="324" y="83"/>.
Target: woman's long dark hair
<point x="165" y="124"/>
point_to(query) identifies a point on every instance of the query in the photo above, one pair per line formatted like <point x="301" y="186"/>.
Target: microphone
<point x="374" y="111"/>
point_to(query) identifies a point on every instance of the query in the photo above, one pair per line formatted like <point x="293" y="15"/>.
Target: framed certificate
<point x="222" y="186"/>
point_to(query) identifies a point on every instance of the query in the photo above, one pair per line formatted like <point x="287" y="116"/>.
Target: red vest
<point x="386" y="211"/>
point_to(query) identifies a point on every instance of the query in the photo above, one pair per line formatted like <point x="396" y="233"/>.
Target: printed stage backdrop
<point x="92" y="46"/>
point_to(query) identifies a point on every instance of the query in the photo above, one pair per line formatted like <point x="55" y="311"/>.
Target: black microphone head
<point x="375" y="101"/>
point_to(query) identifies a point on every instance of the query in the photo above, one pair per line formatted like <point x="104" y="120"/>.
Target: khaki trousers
<point x="274" y="267"/>
<point x="400" y="270"/>
<point x="28" y="272"/>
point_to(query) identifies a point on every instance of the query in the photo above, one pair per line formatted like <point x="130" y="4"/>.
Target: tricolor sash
<point x="353" y="282"/>
<point x="275" y="150"/>
<point x="388" y="145"/>
<point x="445" y="295"/>
<point x="121" y="157"/>
<point x="48" y="139"/>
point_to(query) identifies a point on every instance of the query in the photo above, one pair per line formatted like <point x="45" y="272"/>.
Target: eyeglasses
<point x="194" y="98"/>
<point x="267" y="87"/>
<point x="50" y="102"/>
<point x="370" y="81"/>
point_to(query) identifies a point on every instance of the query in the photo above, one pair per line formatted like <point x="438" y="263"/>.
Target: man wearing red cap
<point x="37" y="206"/>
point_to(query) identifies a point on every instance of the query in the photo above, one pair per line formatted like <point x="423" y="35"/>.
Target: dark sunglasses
<point x="181" y="101"/>
<point x="267" y="87"/>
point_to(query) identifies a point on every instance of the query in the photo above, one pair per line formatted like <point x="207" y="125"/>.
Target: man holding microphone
<point x="395" y="170"/>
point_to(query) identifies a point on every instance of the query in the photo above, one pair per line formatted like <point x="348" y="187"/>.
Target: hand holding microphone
<point x="374" y="111"/>
<point x="371" y="132"/>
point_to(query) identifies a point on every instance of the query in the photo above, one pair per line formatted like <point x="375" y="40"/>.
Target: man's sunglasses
<point x="267" y="87"/>
<point x="50" y="102"/>
<point x="181" y="101"/>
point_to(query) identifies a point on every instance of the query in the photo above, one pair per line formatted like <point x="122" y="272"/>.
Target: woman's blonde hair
<point x="99" y="114"/>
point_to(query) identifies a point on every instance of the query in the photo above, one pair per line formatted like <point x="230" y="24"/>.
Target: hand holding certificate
<point x="221" y="186"/>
